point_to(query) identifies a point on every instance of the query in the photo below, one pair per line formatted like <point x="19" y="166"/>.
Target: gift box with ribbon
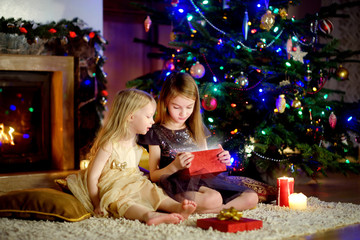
<point x="230" y="220"/>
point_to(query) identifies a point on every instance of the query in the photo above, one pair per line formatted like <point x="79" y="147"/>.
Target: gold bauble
<point x="342" y="73"/>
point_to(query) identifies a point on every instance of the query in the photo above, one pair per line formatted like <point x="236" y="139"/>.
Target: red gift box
<point x="205" y="162"/>
<point x="244" y="224"/>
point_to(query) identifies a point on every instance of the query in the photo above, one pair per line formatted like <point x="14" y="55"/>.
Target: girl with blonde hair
<point x="113" y="185"/>
<point x="178" y="131"/>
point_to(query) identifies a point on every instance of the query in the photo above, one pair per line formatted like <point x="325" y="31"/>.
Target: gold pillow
<point x="42" y="204"/>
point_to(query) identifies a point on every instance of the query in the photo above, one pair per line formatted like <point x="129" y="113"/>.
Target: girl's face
<point x="141" y="121"/>
<point x="180" y="109"/>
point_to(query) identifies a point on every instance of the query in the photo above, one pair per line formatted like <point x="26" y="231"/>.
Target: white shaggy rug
<point x="278" y="223"/>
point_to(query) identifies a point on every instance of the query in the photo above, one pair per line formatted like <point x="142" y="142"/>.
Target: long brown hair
<point x="182" y="84"/>
<point x="116" y="128"/>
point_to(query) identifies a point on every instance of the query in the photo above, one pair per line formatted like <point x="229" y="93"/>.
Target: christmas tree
<point x="262" y="79"/>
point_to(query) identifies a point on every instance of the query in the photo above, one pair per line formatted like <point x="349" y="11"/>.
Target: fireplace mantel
<point x="61" y="97"/>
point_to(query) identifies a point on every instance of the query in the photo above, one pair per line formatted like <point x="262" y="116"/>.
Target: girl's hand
<point x="224" y="157"/>
<point x="183" y="160"/>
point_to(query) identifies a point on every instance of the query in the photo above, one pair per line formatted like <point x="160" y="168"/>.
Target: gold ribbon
<point x="229" y="214"/>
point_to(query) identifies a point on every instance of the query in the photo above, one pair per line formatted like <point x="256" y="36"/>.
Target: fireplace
<point x="37" y="113"/>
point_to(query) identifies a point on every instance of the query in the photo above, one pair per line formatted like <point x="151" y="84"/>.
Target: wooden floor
<point x="334" y="188"/>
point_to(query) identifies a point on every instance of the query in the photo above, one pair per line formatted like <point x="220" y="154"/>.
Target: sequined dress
<point x="172" y="142"/>
<point x="121" y="184"/>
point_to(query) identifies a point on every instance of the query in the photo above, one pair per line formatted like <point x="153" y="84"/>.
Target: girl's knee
<point x="251" y="198"/>
<point x="211" y="198"/>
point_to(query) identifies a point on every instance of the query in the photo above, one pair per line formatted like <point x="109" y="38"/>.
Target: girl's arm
<point x="182" y="160"/>
<point x="95" y="168"/>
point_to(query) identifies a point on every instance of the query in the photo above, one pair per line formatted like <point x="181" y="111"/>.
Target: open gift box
<point x="205" y="162"/>
<point x="244" y="224"/>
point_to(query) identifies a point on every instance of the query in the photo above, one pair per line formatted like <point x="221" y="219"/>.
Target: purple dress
<point x="172" y="142"/>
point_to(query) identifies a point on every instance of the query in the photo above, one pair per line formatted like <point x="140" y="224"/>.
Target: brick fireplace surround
<point x="61" y="101"/>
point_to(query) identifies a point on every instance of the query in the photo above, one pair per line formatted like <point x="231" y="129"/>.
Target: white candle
<point x="297" y="201"/>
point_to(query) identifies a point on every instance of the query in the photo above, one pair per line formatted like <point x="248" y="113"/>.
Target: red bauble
<point x="326" y="26"/>
<point x="209" y="103"/>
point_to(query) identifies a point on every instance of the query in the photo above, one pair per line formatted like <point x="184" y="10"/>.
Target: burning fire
<point x="6" y="137"/>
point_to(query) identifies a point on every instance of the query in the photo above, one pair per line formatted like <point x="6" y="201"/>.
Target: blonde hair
<point x="115" y="128"/>
<point x="182" y="84"/>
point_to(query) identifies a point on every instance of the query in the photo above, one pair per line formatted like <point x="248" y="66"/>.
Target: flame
<point x="6" y="137"/>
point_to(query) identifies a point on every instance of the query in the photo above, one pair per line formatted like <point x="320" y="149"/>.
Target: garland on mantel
<point x="66" y="38"/>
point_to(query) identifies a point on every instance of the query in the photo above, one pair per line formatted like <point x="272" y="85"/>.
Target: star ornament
<point x="298" y="55"/>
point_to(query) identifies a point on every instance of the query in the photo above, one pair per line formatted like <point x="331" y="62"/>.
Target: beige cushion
<point x="42" y="204"/>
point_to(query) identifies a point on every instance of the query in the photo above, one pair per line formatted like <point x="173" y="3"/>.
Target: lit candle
<point x="297" y="201"/>
<point x="84" y="164"/>
<point x="285" y="187"/>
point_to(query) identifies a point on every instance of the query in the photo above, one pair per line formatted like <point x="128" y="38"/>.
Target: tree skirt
<point x="278" y="223"/>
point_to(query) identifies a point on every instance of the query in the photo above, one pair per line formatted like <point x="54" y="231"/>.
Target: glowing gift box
<point x="205" y="162"/>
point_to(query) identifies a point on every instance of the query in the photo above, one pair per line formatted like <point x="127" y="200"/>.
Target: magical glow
<point x="180" y="10"/>
<point x="349" y="118"/>
<point x="215" y="80"/>
<point x="87" y="82"/>
<point x="12" y="107"/>
<point x="26" y="136"/>
<point x="233" y="105"/>
<point x="238" y="46"/>
<point x="258" y="5"/>
<point x="278" y="50"/>
<point x="31" y="109"/>
<point x="263" y="132"/>
<point x="211" y="120"/>
<point x="300" y="112"/>
<point x="326" y="96"/>
<point x="276" y="29"/>
<point x="287" y="64"/>
<point x="294" y="38"/>
<point x="205" y="2"/>
<point x="168" y="73"/>
<point x="261" y="90"/>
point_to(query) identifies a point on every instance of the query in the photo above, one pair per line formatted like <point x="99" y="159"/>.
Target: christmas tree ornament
<point x="281" y="103"/>
<point x="343" y="139"/>
<point x="296" y="103"/>
<point x="283" y="14"/>
<point x="147" y="23"/>
<point x="267" y="20"/>
<point x="197" y="70"/>
<point x="172" y="36"/>
<point x="342" y="73"/>
<point x="260" y="46"/>
<point x="242" y="80"/>
<point x="209" y="103"/>
<point x="325" y="26"/>
<point x="64" y="40"/>
<point x="332" y="120"/>
<point x="72" y="34"/>
<point x="169" y="65"/>
<point x="245" y="28"/>
<point x="298" y="55"/>
<point x="289" y="47"/>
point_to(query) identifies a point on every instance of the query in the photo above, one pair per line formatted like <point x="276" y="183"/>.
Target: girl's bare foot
<point x="157" y="218"/>
<point x="188" y="207"/>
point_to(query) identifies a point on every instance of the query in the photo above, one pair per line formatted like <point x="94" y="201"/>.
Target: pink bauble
<point x="326" y="26"/>
<point x="209" y="103"/>
<point x="169" y="65"/>
<point x="332" y="120"/>
<point x="197" y="70"/>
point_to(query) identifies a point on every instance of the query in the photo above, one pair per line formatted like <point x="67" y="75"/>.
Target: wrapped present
<point x="205" y="162"/>
<point x="244" y="224"/>
<point x="230" y="220"/>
